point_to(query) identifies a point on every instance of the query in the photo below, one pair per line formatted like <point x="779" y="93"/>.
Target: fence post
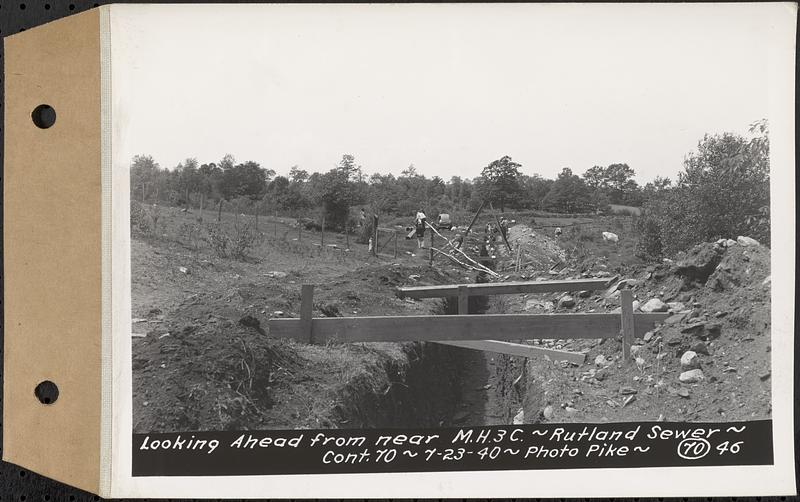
<point x="463" y="300"/>
<point x="431" y="245"/>
<point x="375" y="235"/>
<point x="306" y="310"/>
<point x="626" y="297"/>
<point x="322" y="239"/>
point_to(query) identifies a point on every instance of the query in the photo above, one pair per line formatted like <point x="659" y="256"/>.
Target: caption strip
<point x="551" y="446"/>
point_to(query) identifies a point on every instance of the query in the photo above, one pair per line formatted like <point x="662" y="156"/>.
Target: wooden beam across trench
<point x="504" y="288"/>
<point x="470" y="331"/>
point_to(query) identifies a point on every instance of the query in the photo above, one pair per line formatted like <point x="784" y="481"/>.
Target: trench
<point x="442" y="386"/>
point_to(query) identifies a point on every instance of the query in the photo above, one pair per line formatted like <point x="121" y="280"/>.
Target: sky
<point x="449" y="88"/>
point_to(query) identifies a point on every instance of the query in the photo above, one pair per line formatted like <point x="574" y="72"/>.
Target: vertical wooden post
<point x="202" y="202"/>
<point x="395" y="244"/>
<point x="306" y="310"/>
<point x="346" y="237"/>
<point x="519" y="247"/>
<point x="463" y="300"/>
<point x="322" y="238"/>
<point x="626" y="297"/>
<point x="276" y="225"/>
<point x="431" y="245"/>
<point x="375" y="235"/>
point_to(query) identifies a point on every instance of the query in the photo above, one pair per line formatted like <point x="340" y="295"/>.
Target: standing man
<point x="420" y="224"/>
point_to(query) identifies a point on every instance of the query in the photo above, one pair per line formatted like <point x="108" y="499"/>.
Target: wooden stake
<point x="375" y="235"/>
<point x="519" y="247"/>
<point x="431" y="244"/>
<point x="463" y="300"/>
<point x="306" y="310"/>
<point x="626" y="297"/>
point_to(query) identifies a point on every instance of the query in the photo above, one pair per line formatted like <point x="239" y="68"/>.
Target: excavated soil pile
<point x="709" y="361"/>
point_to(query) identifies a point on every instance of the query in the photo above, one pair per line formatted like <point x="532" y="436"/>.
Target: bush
<point x="235" y="245"/>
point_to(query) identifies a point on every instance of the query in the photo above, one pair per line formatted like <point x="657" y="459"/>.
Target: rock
<point x="701" y="329"/>
<point x="699" y="262"/>
<point x="648" y="336"/>
<point x="276" y="274"/>
<point x="519" y="418"/>
<point x="673" y="340"/>
<point x="600" y="375"/>
<point x="584" y="294"/>
<point x="627" y="390"/>
<point x="689" y="360"/>
<point x="767" y="281"/>
<point x="639" y="362"/>
<point x="655" y="305"/>
<point x="570" y="410"/>
<point x="414" y="277"/>
<point x="601" y="360"/>
<point x="700" y="348"/>
<point x="566" y="301"/>
<point x="636" y="305"/>
<point x="746" y="241"/>
<point x="729" y="243"/>
<point x="183" y="270"/>
<point x="547" y="413"/>
<point x="691" y="376"/>
<point x="628" y="400"/>
<point x="635" y="349"/>
<point x="331" y="310"/>
<point x="675" y="319"/>
<point x="676" y="306"/>
<point x="683" y="392"/>
<point x="765" y="375"/>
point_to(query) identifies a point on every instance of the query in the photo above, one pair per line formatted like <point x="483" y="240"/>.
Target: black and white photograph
<point x="388" y="217"/>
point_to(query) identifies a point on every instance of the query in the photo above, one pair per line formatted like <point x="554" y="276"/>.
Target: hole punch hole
<point x="46" y="392"/>
<point x="44" y="116"/>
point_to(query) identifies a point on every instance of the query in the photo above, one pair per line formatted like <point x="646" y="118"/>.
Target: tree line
<point x="723" y="189"/>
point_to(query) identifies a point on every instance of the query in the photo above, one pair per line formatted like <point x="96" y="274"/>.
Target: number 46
<point x="729" y="447"/>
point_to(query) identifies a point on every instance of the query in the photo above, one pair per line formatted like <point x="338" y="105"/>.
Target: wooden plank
<point x="628" y="323"/>
<point x="461" y="327"/>
<point x="306" y="312"/>
<point x="503" y="288"/>
<point x="474" y="219"/>
<point x="518" y="349"/>
<point x="463" y="300"/>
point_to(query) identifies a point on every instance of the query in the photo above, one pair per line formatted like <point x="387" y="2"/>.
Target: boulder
<point x="691" y="376"/>
<point x="519" y="418"/>
<point x="566" y="301"/>
<point x="699" y="262"/>
<point x="746" y="241"/>
<point x="700" y="348"/>
<point x="636" y="305"/>
<point x="689" y="360"/>
<point x="654" y="305"/>
<point x="676" y="306"/>
<point x="547" y="413"/>
<point x="601" y="360"/>
<point x="729" y="243"/>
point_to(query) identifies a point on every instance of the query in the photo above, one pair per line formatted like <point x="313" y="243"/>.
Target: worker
<point x="420" y="223"/>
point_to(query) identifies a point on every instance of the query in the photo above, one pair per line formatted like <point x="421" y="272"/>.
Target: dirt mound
<point x="537" y="248"/>
<point x="720" y="325"/>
